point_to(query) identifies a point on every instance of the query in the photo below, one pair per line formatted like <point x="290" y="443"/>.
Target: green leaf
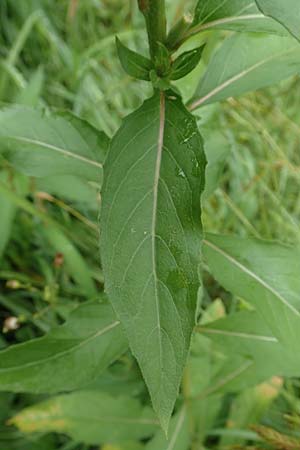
<point x="136" y="65"/>
<point x="43" y="144"/>
<point x="237" y="15"/>
<point x="246" y="334"/>
<point x="162" y="60"/>
<point x="217" y="150"/>
<point x="249" y="407"/>
<point x="185" y="63"/>
<point x="178" y="437"/>
<point x="245" y="63"/>
<point x="265" y="274"/>
<point x="73" y="189"/>
<point x="89" y="416"/>
<point x="150" y="238"/>
<point x="286" y="12"/>
<point x="68" y="357"/>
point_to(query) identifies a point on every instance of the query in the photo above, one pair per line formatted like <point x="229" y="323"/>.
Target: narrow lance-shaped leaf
<point x="133" y="63"/>
<point x="89" y="416"/>
<point x="263" y="273"/>
<point x="238" y="15"/>
<point x="68" y="357"/>
<point x="43" y="144"/>
<point x="286" y="12"/>
<point x="150" y="238"/>
<point x="247" y="62"/>
<point x="185" y="63"/>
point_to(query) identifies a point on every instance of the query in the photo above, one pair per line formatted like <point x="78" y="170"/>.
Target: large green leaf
<point x="266" y="275"/>
<point x="286" y="12"/>
<point x="238" y="15"/>
<point x="89" y="416"/>
<point x="247" y="62"/>
<point x="44" y="144"/>
<point x="68" y="357"/>
<point x="150" y="238"/>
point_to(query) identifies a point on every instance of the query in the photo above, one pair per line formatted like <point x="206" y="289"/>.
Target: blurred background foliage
<point x="61" y="54"/>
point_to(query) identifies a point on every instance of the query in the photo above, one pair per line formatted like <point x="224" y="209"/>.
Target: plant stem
<point x="178" y="32"/>
<point x="154" y="12"/>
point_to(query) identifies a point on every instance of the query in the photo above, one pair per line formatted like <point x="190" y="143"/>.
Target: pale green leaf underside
<point x="43" y="144"/>
<point x="246" y="334"/>
<point x="91" y="417"/>
<point x="150" y="239"/>
<point x="263" y="273"/>
<point x="238" y="15"/>
<point x="68" y="357"/>
<point x="247" y="62"/>
<point x="286" y="12"/>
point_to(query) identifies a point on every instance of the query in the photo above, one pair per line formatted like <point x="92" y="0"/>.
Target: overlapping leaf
<point x="247" y="62"/>
<point x="247" y="335"/>
<point x="44" y="144"/>
<point x="89" y="416"/>
<point x="238" y="15"/>
<point x="286" y="12"/>
<point x="150" y="238"/>
<point x="238" y="345"/>
<point x="68" y="357"/>
<point x="264" y="274"/>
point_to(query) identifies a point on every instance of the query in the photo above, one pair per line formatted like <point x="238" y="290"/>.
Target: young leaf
<point x="286" y="12"/>
<point x="247" y="62"/>
<point x="89" y="416"/>
<point x="136" y="65"/>
<point x="263" y="273"/>
<point x="41" y="144"/>
<point x="237" y="15"/>
<point x="185" y="63"/>
<point x="68" y="357"/>
<point x="162" y="60"/>
<point x="150" y="238"/>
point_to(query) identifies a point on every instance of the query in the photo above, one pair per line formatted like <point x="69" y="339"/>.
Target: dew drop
<point x="180" y="173"/>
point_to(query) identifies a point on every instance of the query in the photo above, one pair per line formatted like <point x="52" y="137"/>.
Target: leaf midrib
<point x="63" y="151"/>
<point x="61" y="354"/>
<point x="238" y="77"/>
<point x="160" y="143"/>
<point x="253" y="275"/>
<point x="228" y="333"/>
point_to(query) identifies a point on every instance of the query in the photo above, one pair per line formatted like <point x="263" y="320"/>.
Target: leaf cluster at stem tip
<point x="162" y="68"/>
